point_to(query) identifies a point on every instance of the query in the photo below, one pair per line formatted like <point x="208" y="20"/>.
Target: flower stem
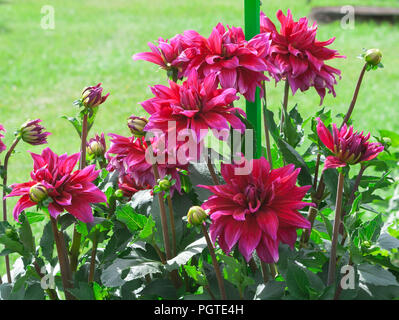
<point x="172" y="225"/>
<point x="76" y="239"/>
<point x="337" y="223"/>
<point x="5" y="176"/>
<point x="63" y="259"/>
<point x="267" y="135"/>
<point x="355" y="94"/>
<point x="215" y="263"/>
<point x="93" y="259"/>
<point x="285" y="104"/>
<point x="164" y="223"/>
<point x="51" y="292"/>
<point x="212" y="171"/>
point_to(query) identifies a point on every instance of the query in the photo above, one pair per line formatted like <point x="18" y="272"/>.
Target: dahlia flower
<point x="257" y="211"/>
<point x="166" y="53"/>
<point x="2" y="145"/>
<point x="130" y="159"/>
<point x="128" y="186"/>
<point x="32" y="132"/>
<point x="236" y="62"/>
<point x="92" y="96"/>
<point x="347" y="146"/>
<point x="193" y="105"/>
<point x="72" y="191"/>
<point x="299" y="56"/>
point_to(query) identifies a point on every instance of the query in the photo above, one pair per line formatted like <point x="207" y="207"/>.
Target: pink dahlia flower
<point x="299" y="56"/>
<point x="166" y="53"/>
<point x="130" y="159"/>
<point x="257" y="211"/>
<point x="195" y="105"/>
<point x="2" y="145"/>
<point x="72" y="191"/>
<point x="237" y="63"/>
<point x="348" y="147"/>
<point x="129" y="187"/>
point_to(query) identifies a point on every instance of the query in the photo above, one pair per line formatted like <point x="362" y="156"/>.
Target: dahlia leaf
<point x="183" y="257"/>
<point x="272" y="290"/>
<point x="297" y="282"/>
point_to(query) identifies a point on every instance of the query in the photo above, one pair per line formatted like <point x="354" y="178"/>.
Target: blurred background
<point x="44" y="70"/>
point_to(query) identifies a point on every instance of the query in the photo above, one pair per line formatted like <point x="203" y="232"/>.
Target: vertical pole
<point x="253" y="109"/>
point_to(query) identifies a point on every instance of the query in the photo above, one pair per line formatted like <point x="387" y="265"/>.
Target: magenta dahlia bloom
<point x="2" y="145"/>
<point x="130" y="159"/>
<point x="347" y="146"/>
<point x="195" y="105"/>
<point x="92" y="96"/>
<point x="299" y="56"/>
<point x="257" y="211"/>
<point x="166" y="53"/>
<point x="129" y="187"/>
<point x="33" y="133"/>
<point x="237" y="63"/>
<point x="71" y="191"/>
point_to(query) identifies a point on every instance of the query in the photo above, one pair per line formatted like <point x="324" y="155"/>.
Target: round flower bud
<point x="165" y="184"/>
<point x="38" y="193"/>
<point x="136" y="125"/>
<point x="95" y="148"/>
<point x="373" y="56"/>
<point x="92" y="96"/>
<point x="196" y="215"/>
<point x="33" y="133"/>
<point x="119" y="193"/>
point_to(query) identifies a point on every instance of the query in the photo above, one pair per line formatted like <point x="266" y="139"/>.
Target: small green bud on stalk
<point x="164" y="184"/>
<point x="136" y="125"/>
<point x="373" y="56"/>
<point x="119" y="193"/>
<point x="38" y="193"/>
<point x="196" y="216"/>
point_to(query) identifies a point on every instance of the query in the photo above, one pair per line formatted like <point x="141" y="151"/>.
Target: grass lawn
<point x="44" y="71"/>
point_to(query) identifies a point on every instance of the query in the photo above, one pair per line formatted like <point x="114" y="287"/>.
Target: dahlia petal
<point x="268" y="222"/>
<point x="325" y="135"/>
<point x="80" y="210"/>
<point x="250" y="237"/>
<point x="23" y="203"/>
<point x="333" y="162"/>
<point x="288" y="236"/>
<point x="232" y="233"/>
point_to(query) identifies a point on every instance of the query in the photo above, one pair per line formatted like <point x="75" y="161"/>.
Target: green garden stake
<point x="253" y="109"/>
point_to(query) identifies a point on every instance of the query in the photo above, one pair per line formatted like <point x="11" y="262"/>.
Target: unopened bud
<point x="136" y="125"/>
<point x="373" y="56"/>
<point x="164" y="184"/>
<point x="38" y="193"/>
<point x="119" y="193"/>
<point x="196" y="215"/>
<point x="33" y="133"/>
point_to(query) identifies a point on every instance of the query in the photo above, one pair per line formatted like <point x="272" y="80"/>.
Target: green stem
<point x="172" y="225"/>
<point x="337" y="223"/>
<point x="5" y="176"/>
<point x="76" y="239"/>
<point x="355" y="94"/>
<point x="215" y="264"/>
<point x="285" y="104"/>
<point x="212" y="171"/>
<point x="267" y="135"/>
<point x="62" y="259"/>
<point x="93" y="259"/>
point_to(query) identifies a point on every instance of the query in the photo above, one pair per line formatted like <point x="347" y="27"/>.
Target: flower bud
<point x="96" y="146"/>
<point x="118" y="193"/>
<point x="165" y="184"/>
<point x="38" y="193"/>
<point x="196" y="215"/>
<point x="32" y="132"/>
<point x="92" y="96"/>
<point x="373" y="56"/>
<point x="136" y="125"/>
